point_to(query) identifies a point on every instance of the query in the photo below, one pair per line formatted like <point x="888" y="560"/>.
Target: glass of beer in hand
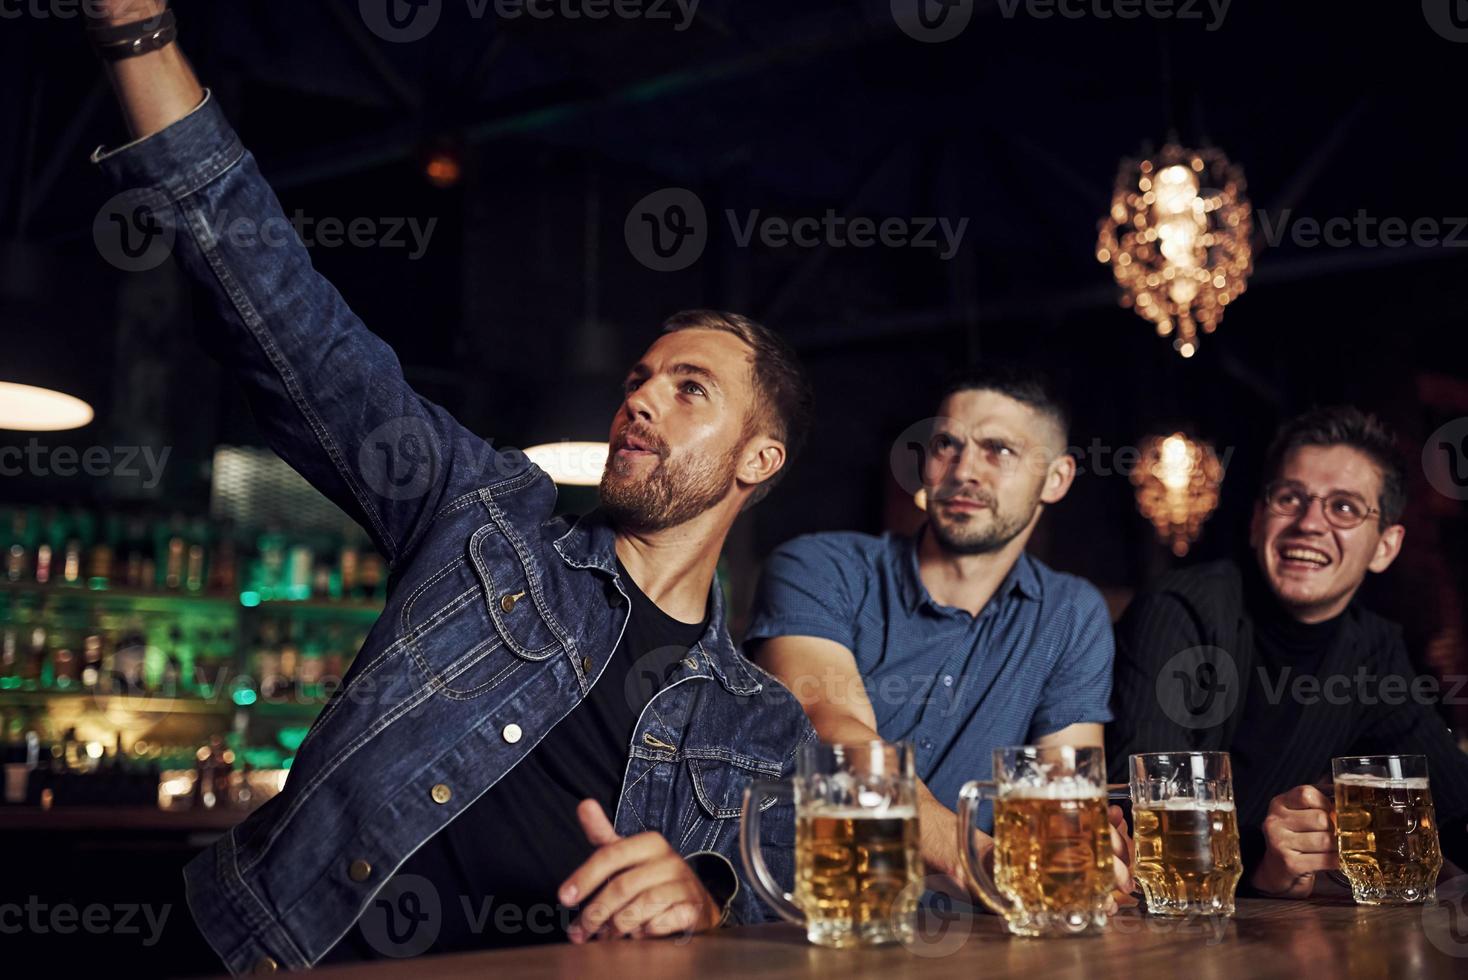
<point x="1185" y="832"/>
<point x="1385" y="829"/>
<point x="1052" y="841"/>
<point x="858" y="873"/>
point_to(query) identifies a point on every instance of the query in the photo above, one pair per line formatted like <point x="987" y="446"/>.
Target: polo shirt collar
<point x="1023" y="577"/>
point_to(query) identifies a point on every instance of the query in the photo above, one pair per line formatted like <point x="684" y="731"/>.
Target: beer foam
<point x="837" y="812"/>
<point x="1065" y="790"/>
<point x="1187" y="803"/>
<point x="1381" y="782"/>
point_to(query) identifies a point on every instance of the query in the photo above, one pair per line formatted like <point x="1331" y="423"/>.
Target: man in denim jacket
<point x="484" y="684"/>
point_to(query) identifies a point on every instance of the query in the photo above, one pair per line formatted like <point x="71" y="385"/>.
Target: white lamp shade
<point x="29" y="409"/>
<point x="571" y="464"/>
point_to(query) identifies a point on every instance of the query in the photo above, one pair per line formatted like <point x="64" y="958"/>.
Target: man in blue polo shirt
<point x="955" y="640"/>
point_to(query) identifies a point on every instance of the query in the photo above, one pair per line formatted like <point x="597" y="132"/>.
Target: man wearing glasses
<point x="1273" y="661"/>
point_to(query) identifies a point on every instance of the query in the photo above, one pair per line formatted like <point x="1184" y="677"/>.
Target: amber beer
<point x="1052" y="850"/>
<point x="858" y="874"/>
<point x="1187" y="855"/>
<point x="856" y="871"/>
<point x="1386" y="831"/>
<point x="1052" y="841"/>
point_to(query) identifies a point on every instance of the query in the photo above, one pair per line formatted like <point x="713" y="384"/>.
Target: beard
<point x="674" y="492"/>
<point x="973" y="538"/>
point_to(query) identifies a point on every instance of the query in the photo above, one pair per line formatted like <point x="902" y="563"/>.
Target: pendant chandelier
<point x="1177" y="485"/>
<point x="1177" y="240"/>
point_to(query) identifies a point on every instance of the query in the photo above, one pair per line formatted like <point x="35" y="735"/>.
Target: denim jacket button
<point x="586" y="665"/>
<point x="511" y="733"/>
<point x="264" y="965"/>
<point x="441" y="793"/>
<point x="360" y="870"/>
<point x="507" y="603"/>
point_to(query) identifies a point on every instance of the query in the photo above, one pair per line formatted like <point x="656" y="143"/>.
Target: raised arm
<point x="329" y="395"/>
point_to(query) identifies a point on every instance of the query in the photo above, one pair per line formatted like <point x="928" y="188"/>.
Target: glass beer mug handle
<point x="760" y="879"/>
<point x="976" y="875"/>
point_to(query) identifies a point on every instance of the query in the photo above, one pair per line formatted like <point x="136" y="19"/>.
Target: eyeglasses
<point x="1342" y="509"/>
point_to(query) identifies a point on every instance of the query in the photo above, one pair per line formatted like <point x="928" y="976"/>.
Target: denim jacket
<point x="499" y="618"/>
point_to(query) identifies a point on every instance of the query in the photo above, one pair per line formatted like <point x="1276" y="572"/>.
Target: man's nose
<point x="1311" y="519"/>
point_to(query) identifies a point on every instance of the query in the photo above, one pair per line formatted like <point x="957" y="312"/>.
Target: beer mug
<point x="858" y="873"/>
<point x="1052" y="840"/>
<point x="1185" y="832"/>
<point x="1385" y="829"/>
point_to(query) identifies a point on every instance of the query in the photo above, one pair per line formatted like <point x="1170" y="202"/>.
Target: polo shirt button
<point x="947" y="680"/>
<point x="511" y="733"/>
<point x="359" y="870"/>
<point x="441" y="793"/>
<point x="265" y="965"/>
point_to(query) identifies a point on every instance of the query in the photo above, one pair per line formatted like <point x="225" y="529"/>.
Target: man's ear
<point x="1387" y="548"/>
<point x="763" y="458"/>
<point x="1058" y="478"/>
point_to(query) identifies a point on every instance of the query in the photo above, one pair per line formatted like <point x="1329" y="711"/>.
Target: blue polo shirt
<point x="1036" y="658"/>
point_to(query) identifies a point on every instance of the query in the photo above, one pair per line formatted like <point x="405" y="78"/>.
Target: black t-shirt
<point x="514" y="846"/>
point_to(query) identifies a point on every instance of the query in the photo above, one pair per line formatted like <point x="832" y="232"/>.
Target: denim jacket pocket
<point x="718" y="785"/>
<point x="513" y="597"/>
<point x="451" y="630"/>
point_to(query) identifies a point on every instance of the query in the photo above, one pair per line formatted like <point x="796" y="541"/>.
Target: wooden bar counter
<point x="1327" y="938"/>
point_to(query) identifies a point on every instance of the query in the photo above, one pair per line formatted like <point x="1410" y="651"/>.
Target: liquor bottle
<point x="65" y="664"/>
<point x="175" y="550"/>
<point x="194" y="560"/>
<point x="267" y="657"/>
<point x="10" y="668"/>
<point x="223" y="577"/>
<point x="103" y="553"/>
<point x="171" y="685"/>
<point x="24" y="531"/>
<point x="312" y="666"/>
<point x="36" y="664"/>
<point x="371" y="576"/>
<point x="91" y="672"/>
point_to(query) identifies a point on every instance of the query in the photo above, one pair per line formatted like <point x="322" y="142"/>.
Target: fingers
<point x="1304" y="798"/>
<point x="594" y="823"/>
<point x="679" y="904"/>
<point x="1316" y="842"/>
<point x="679" y="918"/>
<point x="1121" y="850"/>
<point x="627" y="889"/>
<point x="609" y="859"/>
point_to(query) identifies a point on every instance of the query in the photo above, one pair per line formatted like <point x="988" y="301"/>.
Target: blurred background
<point x="534" y="189"/>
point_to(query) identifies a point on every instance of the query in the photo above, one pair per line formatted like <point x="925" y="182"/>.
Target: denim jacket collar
<point x="591" y="543"/>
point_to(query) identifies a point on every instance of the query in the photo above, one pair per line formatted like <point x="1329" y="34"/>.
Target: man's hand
<point x="1121" y="861"/>
<point x="647" y="889"/>
<point x="1300" y="843"/>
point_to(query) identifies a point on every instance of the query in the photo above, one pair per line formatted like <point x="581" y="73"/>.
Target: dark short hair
<point x="1024" y="383"/>
<point x="1345" y="425"/>
<point x="783" y="400"/>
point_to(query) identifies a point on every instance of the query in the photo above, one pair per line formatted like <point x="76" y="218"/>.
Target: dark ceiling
<point x="528" y="300"/>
